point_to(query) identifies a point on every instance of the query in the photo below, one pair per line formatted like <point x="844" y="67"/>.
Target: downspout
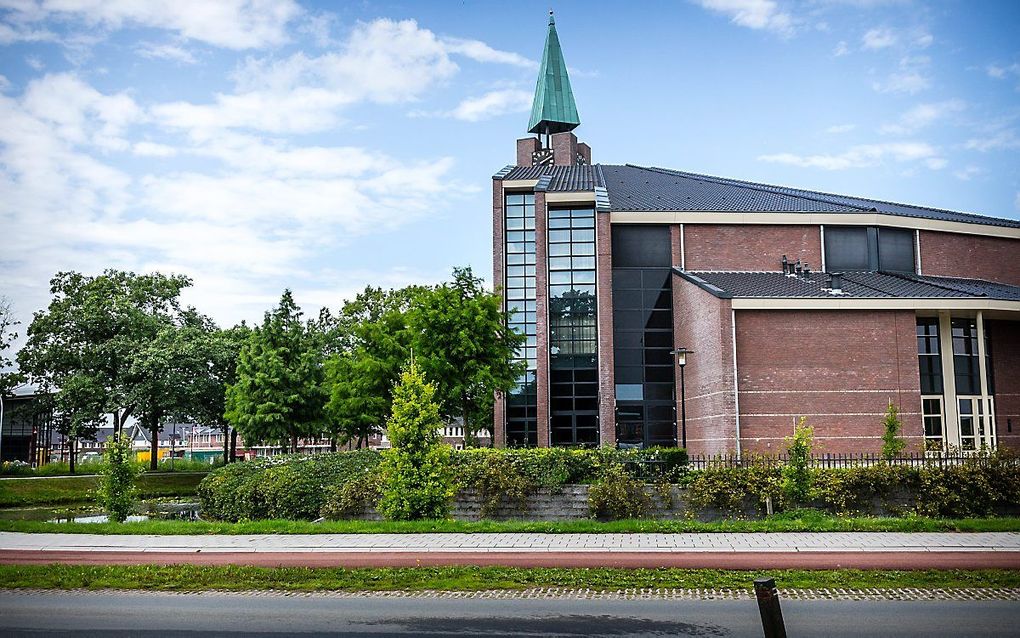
<point x="736" y="394"/>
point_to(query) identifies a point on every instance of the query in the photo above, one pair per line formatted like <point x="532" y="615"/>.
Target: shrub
<point x="354" y="497"/>
<point x="416" y="471"/>
<point x="892" y="444"/>
<point x="116" y="492"/>
<point x="797" y="471"/>
<point x="616" y="494"/>
<point x="856" y="490"/>
<point x="280" y="486"/>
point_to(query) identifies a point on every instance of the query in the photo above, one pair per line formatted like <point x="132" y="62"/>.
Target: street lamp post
<point x="681" y="360"/>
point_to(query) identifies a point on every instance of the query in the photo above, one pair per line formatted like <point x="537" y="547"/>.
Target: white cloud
<point x="10" y="34"/>
<point x="967" y="173"/>
<point x="245" y="227"/>
<point x="879" y="38"/>
<point x="840" y="128"/>
<point x="910" y="77"/>
<point x="34" y="62"/>
<point x="166" y="51"/>
<point x="4" y="83"/>
<point x="232" y="24"/>
<point x="841" y="49"/>
<point x="492" y="104"/>
<point x="923" y="115"/>
<point x="481" y="52"/>
<point x="1001" y="72"/>
<point x="863" y="156"/>
<point x="754" y="14"/>
<point x="1003" y="139"/>
<point x="923" y="39"/>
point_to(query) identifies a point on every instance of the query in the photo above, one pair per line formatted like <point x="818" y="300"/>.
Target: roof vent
<point x="836" y="283"/>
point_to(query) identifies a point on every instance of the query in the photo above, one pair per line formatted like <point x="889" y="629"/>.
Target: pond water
<point x="89" y="513"/>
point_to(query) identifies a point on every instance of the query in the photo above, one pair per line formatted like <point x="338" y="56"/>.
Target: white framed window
<point x="933" y="418"/>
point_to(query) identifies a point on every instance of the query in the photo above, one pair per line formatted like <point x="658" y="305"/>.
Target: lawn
<point x="801" y="521"/>
<point x="237" y="578"/>
<point x="75" y="489"/>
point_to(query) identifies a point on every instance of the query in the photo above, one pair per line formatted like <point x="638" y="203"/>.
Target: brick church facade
<point x="790" y="303"/>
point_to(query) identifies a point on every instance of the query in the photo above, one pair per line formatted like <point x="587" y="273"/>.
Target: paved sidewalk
<point x="722" y="550"/>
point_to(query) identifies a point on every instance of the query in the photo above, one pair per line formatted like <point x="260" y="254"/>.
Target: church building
<point x="663" y="307"/>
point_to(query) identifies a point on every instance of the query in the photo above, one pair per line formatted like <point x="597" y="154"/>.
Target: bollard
<point x="768" y="604"/>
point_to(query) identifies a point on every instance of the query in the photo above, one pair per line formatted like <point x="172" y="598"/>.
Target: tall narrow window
<point x="573" y="368"/>
<point x="929" y="358"/>
<point x="522" y="400"/>
<point x="965" y="357"/>
<point x="643" y="336"/>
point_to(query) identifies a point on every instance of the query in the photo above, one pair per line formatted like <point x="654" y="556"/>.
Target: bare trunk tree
<point x="293" y="443"/>
<point x="233" y="444"/>
<point x="71" y="454"/>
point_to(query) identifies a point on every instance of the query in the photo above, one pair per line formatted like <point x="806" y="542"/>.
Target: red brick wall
<point x="956" y="255"/>
<point x="564" y="146"/>
<point x="499" y="409"/>
<point x="1004" y="337"/>
<point x="749" y="247"/>
<point x="838" y="368"/>
<point x="525" y="147"/>
<point x="604" y="293"/>
<point x="542" y="316"/>
<point x="702" y="323"/>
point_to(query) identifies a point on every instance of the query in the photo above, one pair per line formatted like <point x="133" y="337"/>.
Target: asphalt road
<point x="210" y="614"/>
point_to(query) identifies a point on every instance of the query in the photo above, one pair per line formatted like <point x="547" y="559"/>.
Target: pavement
<point x="116" y="614"/>
<point x="829" y="550"/>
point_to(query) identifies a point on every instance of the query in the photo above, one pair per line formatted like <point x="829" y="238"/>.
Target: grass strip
<point x="71" y="489"/>
<point x="239" y="578"/>
<point x="805" y="521"/>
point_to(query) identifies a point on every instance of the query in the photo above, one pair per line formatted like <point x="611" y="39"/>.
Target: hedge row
<point x="342" y="483"/>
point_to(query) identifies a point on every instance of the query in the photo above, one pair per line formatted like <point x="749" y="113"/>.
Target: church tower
<point x="553" y="114"/>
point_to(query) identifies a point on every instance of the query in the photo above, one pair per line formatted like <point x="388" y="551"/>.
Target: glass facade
<point x="522" y="400"/>
<point x="573" y="364"/>
<point x="643" y="336"/>
<point x="965" y="357"/>
<point x="929" y="357"/>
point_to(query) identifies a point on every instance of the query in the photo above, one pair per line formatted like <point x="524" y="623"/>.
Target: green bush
<point x="797" y="473"/>
<point x="356" y="496"/>
<point x="416" y="471"/>
<point x="117" y="493"/>
<point x="617" y="494"/>
<point x="280" y="486"/>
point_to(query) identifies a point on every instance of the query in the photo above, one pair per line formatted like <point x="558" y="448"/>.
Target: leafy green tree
<point x="84" y="345"/>
<point x="117" y="493"/>
<point x="372" y="343"/>
<point x="797" y="479"/>
<point x="463" y="344"/>
<point x="416" y="471"/>
<point x="892" y="444"/>
<point x="220" y="350"/>
<point x="278" y="396"/>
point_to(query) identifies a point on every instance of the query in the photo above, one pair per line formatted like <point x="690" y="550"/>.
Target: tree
<point x="220" y="350"/>
<point x="9" y="379"/>
<point x="84" y="345"/>
<point x="797" y="477"/>
<point x="278" y="396"/>
<point x="463" y="344"/>
<point x="117" y="493"/>
<point x="416" y="471"/>
<point x="892" y="444"/>
<point x="371" y="343"/>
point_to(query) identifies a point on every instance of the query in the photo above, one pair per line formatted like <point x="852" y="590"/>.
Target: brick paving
<point x="856" y="550"/>
<point x="783" y="542"/>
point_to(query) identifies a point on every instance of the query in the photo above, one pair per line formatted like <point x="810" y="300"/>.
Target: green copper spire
<point x="553" y="110"/>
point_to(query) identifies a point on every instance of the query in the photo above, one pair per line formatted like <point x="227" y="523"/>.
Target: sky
<point x="256" y="145"/>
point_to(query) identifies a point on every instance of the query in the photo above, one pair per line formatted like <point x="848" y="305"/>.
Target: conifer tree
<point x="892" y="444"/>
<point x="418" y="483"/>
<point x="278" y="396"/>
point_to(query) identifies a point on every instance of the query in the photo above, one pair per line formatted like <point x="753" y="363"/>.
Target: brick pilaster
<point x="542" y="316"/>
<point x="498" y="243"/>
<point x="604" y="292"/>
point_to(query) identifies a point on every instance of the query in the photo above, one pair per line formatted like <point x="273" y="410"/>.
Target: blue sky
<point x="325" y="146"/>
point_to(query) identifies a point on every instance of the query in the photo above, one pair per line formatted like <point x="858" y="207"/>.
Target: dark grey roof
<point x="856" y="285"/>
<point x="637" y="188"/>
<point x="561" y="178"/>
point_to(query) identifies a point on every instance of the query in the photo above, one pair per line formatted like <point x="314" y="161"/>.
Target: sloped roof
<point x="648" y="189"/>
<point x="553" y="110"/>
<point x="856" y="285"/>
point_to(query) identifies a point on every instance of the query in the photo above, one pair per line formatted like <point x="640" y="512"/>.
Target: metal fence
<point x="845" y="461"/>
